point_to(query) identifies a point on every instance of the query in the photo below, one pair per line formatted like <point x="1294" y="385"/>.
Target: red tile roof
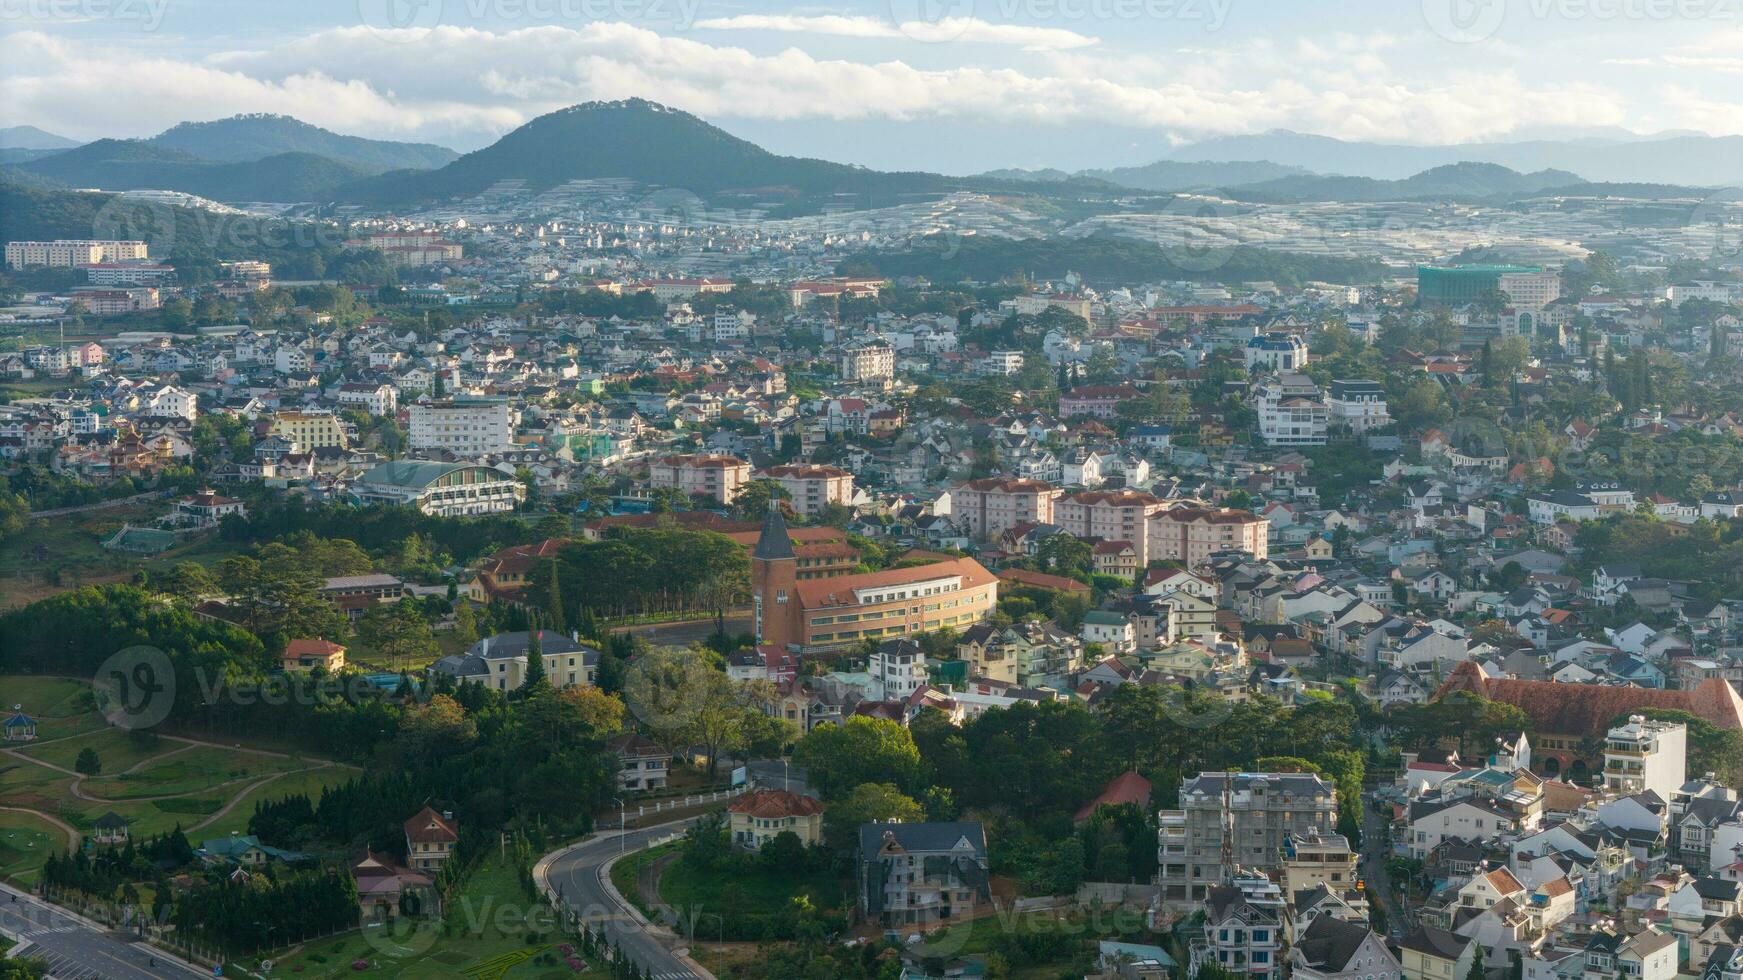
<point x="771" y="804"/>
<point x="1589" y="709"/>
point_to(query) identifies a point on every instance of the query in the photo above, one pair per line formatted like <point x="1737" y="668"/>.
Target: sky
<point x="949" y="85"/>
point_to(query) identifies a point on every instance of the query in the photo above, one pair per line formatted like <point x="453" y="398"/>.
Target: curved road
<point x="577" y="873"/>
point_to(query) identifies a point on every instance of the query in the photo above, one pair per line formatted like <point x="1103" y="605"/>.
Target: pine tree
<point x="535" y="659"/>
<point x="554" y="599"/>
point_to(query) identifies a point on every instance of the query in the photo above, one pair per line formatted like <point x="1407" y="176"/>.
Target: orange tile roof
<point x="1588" y="709"/>
<point x="838" y="591"/>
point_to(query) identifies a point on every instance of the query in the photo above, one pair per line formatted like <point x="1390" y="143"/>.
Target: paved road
<point x="578" y="876"/>
<point x="689" y="631"/>
<point x="1374" y="855"/>
<point x="770" y="774"/>
<point x="75" y="949"/>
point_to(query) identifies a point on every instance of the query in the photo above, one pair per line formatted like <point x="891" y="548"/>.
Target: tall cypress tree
<point x="554" y="598"/>
<point x="535" y="659"/>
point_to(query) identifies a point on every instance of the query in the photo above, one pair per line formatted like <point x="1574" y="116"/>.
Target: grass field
<point x="116" y="749"/>
<point x="488" y="933"/>
<point x="26" y="842"/>
<point x="311" y="782"/>
<point x="47" y="697"/>
<point x="56" y="554"/>
<point x="196" y="770"/>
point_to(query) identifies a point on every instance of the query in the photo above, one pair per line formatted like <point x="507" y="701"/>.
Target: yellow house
<point x="760" y="817"/>
<point x="1435" y="954"/>
<point x="308" y="654"/>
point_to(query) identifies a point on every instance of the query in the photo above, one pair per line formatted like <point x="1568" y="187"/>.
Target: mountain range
<point x="1166" y="176"/>
<point x="278" y="158"/>
<point x="1669" y="158"/>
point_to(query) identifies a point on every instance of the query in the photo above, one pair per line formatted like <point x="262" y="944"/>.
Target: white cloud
<point x="463" y="85"/>
<point x="969" y="29"/>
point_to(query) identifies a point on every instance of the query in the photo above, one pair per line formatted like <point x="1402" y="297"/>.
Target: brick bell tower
<point x="774" y="579"/>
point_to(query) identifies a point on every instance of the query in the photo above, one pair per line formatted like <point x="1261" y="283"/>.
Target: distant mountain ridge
<point x="122" y="165"/>
<point x="256" y="136"/>
<point x="1165" y="176"/>
<point x="32" y="138"/>
<point x="1458" y="181"/>
<point x="1681" y="159"/>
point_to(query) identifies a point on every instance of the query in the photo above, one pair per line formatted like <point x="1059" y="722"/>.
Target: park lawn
<point x="26" y="842"/>
<point x="117" y="749"/>
<point x="487" y="931"/>
<point x="194" y="771"/>
<point x="45" y="697"/>
<point x="29" y="785"/>
<point x="682" y="886"/>
<point x="311" y="782"/>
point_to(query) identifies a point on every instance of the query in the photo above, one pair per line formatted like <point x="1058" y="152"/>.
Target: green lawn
<point x="311" y="782"/>
<point x="116" y="749"/>
<point x="194" y="771"/>
<point x="682" y="886"/>
<point x="26" y="842"/>
<point x="45" y="697"/>
<point x="487" y="929"/>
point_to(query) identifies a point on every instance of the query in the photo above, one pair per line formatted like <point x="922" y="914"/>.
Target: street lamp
<point x="622" y="826"/>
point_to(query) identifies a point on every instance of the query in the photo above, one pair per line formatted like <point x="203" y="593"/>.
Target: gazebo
<point x="20" y="727"/>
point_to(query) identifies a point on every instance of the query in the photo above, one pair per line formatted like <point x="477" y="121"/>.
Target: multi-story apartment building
<point x="897" y="669"/>
<point x="1357" y="406"/>
<point x="1531" y="290"/>
<point x="1292" y="411"/>
<point x="1192" y="534"/>
<point x="1272" y="352"/>
<point x="1243" y="928"/>
<point x="1112" y="515"/>
<point x="115" y="302"/>
<point x="921" y="874"/>
<point x="895" y="602"/>
<point x="812" y="488"/>
<point x="463" y="426"/>
<point x="867" y="360"/>
<point x="990" y="507"/>
<point x="1646" y="755"/>
<point x="719" y="478"/>
<point x="309" y="430"/>
<point x="376" y="399"/>
<point x="64" y="253"/>
<point x="1263" y="810"/>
